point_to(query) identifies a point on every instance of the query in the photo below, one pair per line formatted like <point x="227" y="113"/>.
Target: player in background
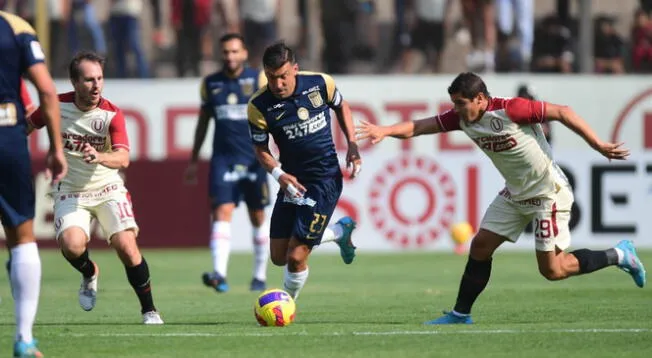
<point x="294" y="108"/>
<point x="21" y="54"/>
<point x="235" y="174"/>
<point x="509" y="132"/>
<point x="96" y="146"/>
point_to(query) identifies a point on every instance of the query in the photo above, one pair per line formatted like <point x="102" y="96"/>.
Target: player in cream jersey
<point x="96" y="146"/>
<point x="509" y="132"/>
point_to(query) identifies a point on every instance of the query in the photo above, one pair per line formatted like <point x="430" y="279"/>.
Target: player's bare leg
<point x="72" y="242"/>
<point x="475" y="278"/>
<point x="220" y="245"/>
<point x="261" y="249"/>
<point x="558" y="265"/>
<point x="124" y="243"/>
<point x="25" y="279"/>
<point x="296" y="270"/>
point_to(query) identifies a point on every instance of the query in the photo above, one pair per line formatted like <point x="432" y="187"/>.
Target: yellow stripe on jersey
<point x="254" y="115"/>
<point x="262" y="79"/>
<point x="18" y="25"/>
<point x="330" y="83"/>
<point x="202" y="91"/>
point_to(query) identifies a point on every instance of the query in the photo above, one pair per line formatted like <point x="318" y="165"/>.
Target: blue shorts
<point x="233" y="183"/>
<point x="16" y="184"/>
<point x="303" y="222"/>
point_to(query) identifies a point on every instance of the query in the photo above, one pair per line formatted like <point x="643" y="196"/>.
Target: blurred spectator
<point x="124" y="21"/>
<point x="551" y="49"/>
<point x="191" y="23"/>
<point x="338" y="24"/>
<point x="479" y="18"/>
<point x="608" y="47"/>
<point x="302" y="47"/>
<point x="520" y="12"/>
<point x="386" y="25"/>
<point x="83" y="12"/>
<point x="428" y="32"/>
<point x="58" y="15"/>
<point x="642" y="42"/>
<point x="228" y="14"/>
<point x="259" y="27"/>
<point x="646" y="5"/>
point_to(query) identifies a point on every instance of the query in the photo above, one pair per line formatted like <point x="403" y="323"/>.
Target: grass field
<point x="372" y="308"/>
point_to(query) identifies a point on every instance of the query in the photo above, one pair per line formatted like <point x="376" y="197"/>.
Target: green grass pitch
<point x="373" y="308"/>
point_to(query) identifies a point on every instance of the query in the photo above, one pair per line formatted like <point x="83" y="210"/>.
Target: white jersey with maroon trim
<point x="511" y="135"/>
<point x="102" y="127"/>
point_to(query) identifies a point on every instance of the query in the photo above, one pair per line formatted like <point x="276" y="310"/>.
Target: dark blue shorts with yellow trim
<point x="233" y="184"/>
<point x="16" y="185"/>
<point x="303" y="222"/>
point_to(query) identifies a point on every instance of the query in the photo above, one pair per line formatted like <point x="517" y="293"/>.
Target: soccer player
<point x="21" y="54"/>
<point x="96" y="146"/>
<point x="235" y="174"/>
<point x="294" y="108"/>
<point x="509" y="132"/>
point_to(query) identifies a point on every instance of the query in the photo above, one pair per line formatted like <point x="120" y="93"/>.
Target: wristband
<point x="277" y="172"/>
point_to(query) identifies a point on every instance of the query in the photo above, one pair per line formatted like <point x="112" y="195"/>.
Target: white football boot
<point x="88" y="290"/>
<point x="152" y="317"/>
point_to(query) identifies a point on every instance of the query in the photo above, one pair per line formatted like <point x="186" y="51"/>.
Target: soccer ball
<point x="274" y="308"/>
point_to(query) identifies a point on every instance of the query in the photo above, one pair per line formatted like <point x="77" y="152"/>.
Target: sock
<point x="25" y="278"/>
<point x="293" y="281"/>
<point x="83" y="264"/>
<point x="221" y="246"/>
<point x="261" y="252"/>
<point x="620" y="255"/>
<point x="595" y="260"/>
<point x="475" y="279"/>
<point x="138" y="277"/>
<point x="333" y="232"/>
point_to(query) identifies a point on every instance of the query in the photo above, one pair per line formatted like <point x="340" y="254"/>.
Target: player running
<point x="295" y="109"/>
<point x="96" y="146"/>
<point x="235" y="174"/>
<point x="21" y="54"/>
<point x="509" y="132"/>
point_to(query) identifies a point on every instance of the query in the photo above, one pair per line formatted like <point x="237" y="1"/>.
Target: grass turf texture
<point x="372" y="308"/>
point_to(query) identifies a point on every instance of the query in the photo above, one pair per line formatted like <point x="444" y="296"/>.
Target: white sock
<point x="621" y="255"/>
<point x="25" y="277"/>
<point x="261" y="252"/>
<point x="293" y="281"/>
<point x="460" y="314"/>
<point x="333" y="232"/>
<point x="221" y="246"/>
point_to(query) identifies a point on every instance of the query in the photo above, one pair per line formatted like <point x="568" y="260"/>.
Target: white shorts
<point x="111" y="207"/>
<point x="550" y="216"/>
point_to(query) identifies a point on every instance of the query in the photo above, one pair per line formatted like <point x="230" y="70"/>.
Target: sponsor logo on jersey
<point x="303" y="113"/>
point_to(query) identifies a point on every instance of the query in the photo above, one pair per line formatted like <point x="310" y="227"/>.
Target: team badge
<point x="247" y="88"/>
<point x="232" y="98"/>
<point x="496" y="124"/>
<point x="97" y="124"/>
<point x="303" y="113"/>
<point x="315" y="99"/>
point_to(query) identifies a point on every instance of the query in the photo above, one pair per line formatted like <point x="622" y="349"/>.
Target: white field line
<point x="279" y="332"/>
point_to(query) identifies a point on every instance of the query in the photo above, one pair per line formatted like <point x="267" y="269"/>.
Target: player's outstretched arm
<point x="345" y="119"/>
<point x="190" y="175"/>
<point x="403" y="130"/>
<point x="568" y="117"/>
<point x="39" y="75"/>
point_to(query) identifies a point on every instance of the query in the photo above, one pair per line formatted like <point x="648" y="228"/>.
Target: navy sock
<point x="475" y="279"/>
<point x="591" y="260"/>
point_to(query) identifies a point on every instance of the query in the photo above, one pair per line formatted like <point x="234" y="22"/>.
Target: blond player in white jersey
<point x="509" y="131"/>
<point x="96" y="147"/>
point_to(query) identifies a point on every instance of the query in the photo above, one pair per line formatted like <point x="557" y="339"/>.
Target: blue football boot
<point x="631" y="263"/>
<point x="451" y="318"/>
<point x="347" y="249"/>
<point x="212" y="279"/>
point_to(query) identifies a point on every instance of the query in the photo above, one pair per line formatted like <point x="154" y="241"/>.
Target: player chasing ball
<point x="509" y="132"/>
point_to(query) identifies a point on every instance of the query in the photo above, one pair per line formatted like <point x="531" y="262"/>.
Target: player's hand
<point x="613" y="150"/>
<point x="291" y="185"/>
<point x="56" y="166"/>
<point x="190" y="175"/>
<point x="91" y="156"/>
<point x="353" y="161"/>
<point x="366" y="130"/>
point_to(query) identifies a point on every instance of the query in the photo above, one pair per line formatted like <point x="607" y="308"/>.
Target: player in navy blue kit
<point x="295" y="109"/>
<point x="21" y="54"/>
<point x="235" y="175"/>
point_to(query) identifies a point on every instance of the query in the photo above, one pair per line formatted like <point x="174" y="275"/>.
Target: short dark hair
<point x="277" y="55"/>
<point x="73" y="68"/>
<point x="468" y="84"/>
<point x="232" y="36"/>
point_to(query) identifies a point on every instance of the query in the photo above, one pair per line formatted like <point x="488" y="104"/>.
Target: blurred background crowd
<point x="178" y="38"/>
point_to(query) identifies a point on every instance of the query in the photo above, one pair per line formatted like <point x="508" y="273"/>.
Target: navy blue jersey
<point x="19" y="50"/>
<point x="225" y="98"/>
<point x="300" y="125"/>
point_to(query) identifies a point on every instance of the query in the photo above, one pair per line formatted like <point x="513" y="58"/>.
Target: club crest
<point x="315" y="99"/>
